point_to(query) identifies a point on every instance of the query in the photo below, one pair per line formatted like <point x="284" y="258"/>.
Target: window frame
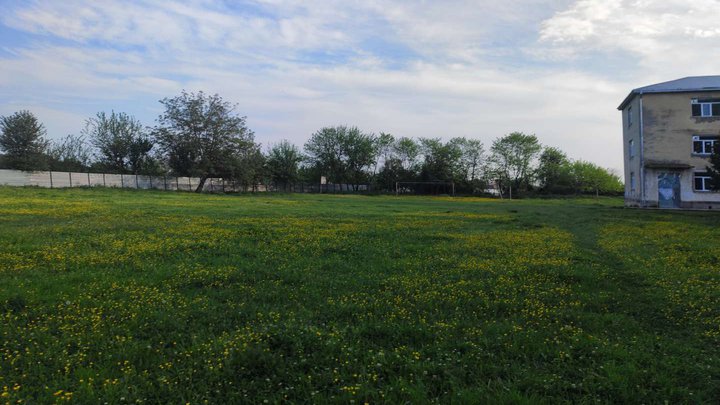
<point x="631" y="147"/>
<point x="705" y="179"/>
<point x="632" y="181"/>
<point x="702" y="140"/>
<point x="629" y="116"/>
<point x="709" y="104"/>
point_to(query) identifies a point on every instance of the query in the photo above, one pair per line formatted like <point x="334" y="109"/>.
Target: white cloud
<point x="415" y="68"/>
<point x="665" y="38"/>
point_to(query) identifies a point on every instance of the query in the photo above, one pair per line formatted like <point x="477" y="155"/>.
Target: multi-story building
<point x="669" y="131"/>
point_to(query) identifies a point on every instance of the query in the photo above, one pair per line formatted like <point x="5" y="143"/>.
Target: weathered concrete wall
<point x="74" y="179"/>
<point x="670" y="126"/>
<point x="668" y="130"/>
<point x="632" y="164"/>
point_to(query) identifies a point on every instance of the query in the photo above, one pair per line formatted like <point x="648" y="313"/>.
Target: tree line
<point x="202" y="135"/>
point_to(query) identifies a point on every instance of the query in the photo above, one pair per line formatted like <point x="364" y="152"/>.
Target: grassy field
<point x="143" y="297"/>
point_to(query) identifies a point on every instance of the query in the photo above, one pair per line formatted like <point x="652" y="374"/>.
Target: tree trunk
<point x="201" y="185"/>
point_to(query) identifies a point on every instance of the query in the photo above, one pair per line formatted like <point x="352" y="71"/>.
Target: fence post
<point x="103" y="179"/>
<point x="88" y="173"/>
<point x="70" y="177"/>
<point x="122" y="182"/>
<point x="151" y="181"/>
<point x="137" y="186"/>
<point x="51" y="183"/>
<point x="165" y="182"/>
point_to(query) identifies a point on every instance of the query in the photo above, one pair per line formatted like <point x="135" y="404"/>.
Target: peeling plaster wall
<point x="668" y="130"/>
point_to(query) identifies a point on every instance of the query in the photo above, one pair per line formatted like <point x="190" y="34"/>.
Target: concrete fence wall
<point x="51" y="179"/>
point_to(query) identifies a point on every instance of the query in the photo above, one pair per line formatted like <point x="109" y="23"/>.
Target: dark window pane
<point x="698" y="183"/>
<point x="697" y="147"/>
<point x="696" y="110"/>
<point x="716" y="110"/>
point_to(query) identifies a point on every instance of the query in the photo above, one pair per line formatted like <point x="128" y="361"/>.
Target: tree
<point x="343" y="154"/>
<point x="591" y="178"/>
<point x="71" y="153"/>
<point x="407" y="151"/>
<point x="324" y="152"/>
<point x="384" y="147"/>
<point x="553" y="172"/>
<point x="472" y="155"/>
<point x="121" y="141"/>
<point x="23" y="141"/>
<point x="360" y="150"/>
<point x="282" y="162"/>
<point x="248" y="167"/>
<point x="512" y="157"/>
<point x="200" y="135"/>
<point x="442" y="161"/>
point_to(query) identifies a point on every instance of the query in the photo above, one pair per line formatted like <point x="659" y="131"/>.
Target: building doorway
<point x="669" y="190"/>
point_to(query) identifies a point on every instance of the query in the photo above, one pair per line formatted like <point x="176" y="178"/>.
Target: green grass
<point x="144" y="297"/>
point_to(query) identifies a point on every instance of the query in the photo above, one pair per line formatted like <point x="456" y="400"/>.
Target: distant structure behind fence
<point x="51" y="179"/>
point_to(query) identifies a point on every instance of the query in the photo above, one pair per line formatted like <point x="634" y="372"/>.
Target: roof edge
<point x="638" y="92"/>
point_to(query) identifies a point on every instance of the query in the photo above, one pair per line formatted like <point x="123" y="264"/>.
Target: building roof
<point x="686" y="84"/>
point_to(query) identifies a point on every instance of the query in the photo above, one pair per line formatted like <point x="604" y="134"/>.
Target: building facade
<point x="669" y="131"/>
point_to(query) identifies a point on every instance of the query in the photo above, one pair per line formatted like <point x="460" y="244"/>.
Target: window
<point x="703" y="181"/>
<point x="629" y="116"/>
<point x="632" y="181"/>
<point x="709" y="107"/>
<point x="631" y="148"/>
<point x="703" y="145"/>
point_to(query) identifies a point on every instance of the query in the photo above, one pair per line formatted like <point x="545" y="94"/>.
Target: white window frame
<point x="632" y="181"/>
<point x="631" y="147"/>
<point x="703" y="106"/>
<point x="713" y="143"/>
<point x="706" y="179"/>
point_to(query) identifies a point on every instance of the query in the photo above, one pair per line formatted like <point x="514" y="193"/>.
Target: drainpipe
<point x="642" y="156"/>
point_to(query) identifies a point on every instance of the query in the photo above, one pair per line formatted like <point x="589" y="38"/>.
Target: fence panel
<point x="113" y="180"/>
<point x="215" y="185"/>
<point x="14" y="178"/>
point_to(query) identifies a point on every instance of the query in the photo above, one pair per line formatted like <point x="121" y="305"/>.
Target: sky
<point x="479" y="69"/>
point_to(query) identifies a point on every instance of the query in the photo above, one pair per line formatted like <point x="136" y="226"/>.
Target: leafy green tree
<point x="22" y="139"/>
<point x="360" y="150"/>
<point x="591" y="178"/>
<point x="406" y="150"/>
<point x="384" y="147"/>
<point x="200" y="135"/>
<point x="469" y="167"/>
<point x="343" y="154"/>
<point x="282" y="161"/>
<point x="441" y="160"/>
<point x="324" y="152"/>
<point x="248" y="167"/>
<point x="513" y="157"/>
<point x="553" y="174"/>
<point x="71" y="153"/>
<point x="122" y="143"/>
